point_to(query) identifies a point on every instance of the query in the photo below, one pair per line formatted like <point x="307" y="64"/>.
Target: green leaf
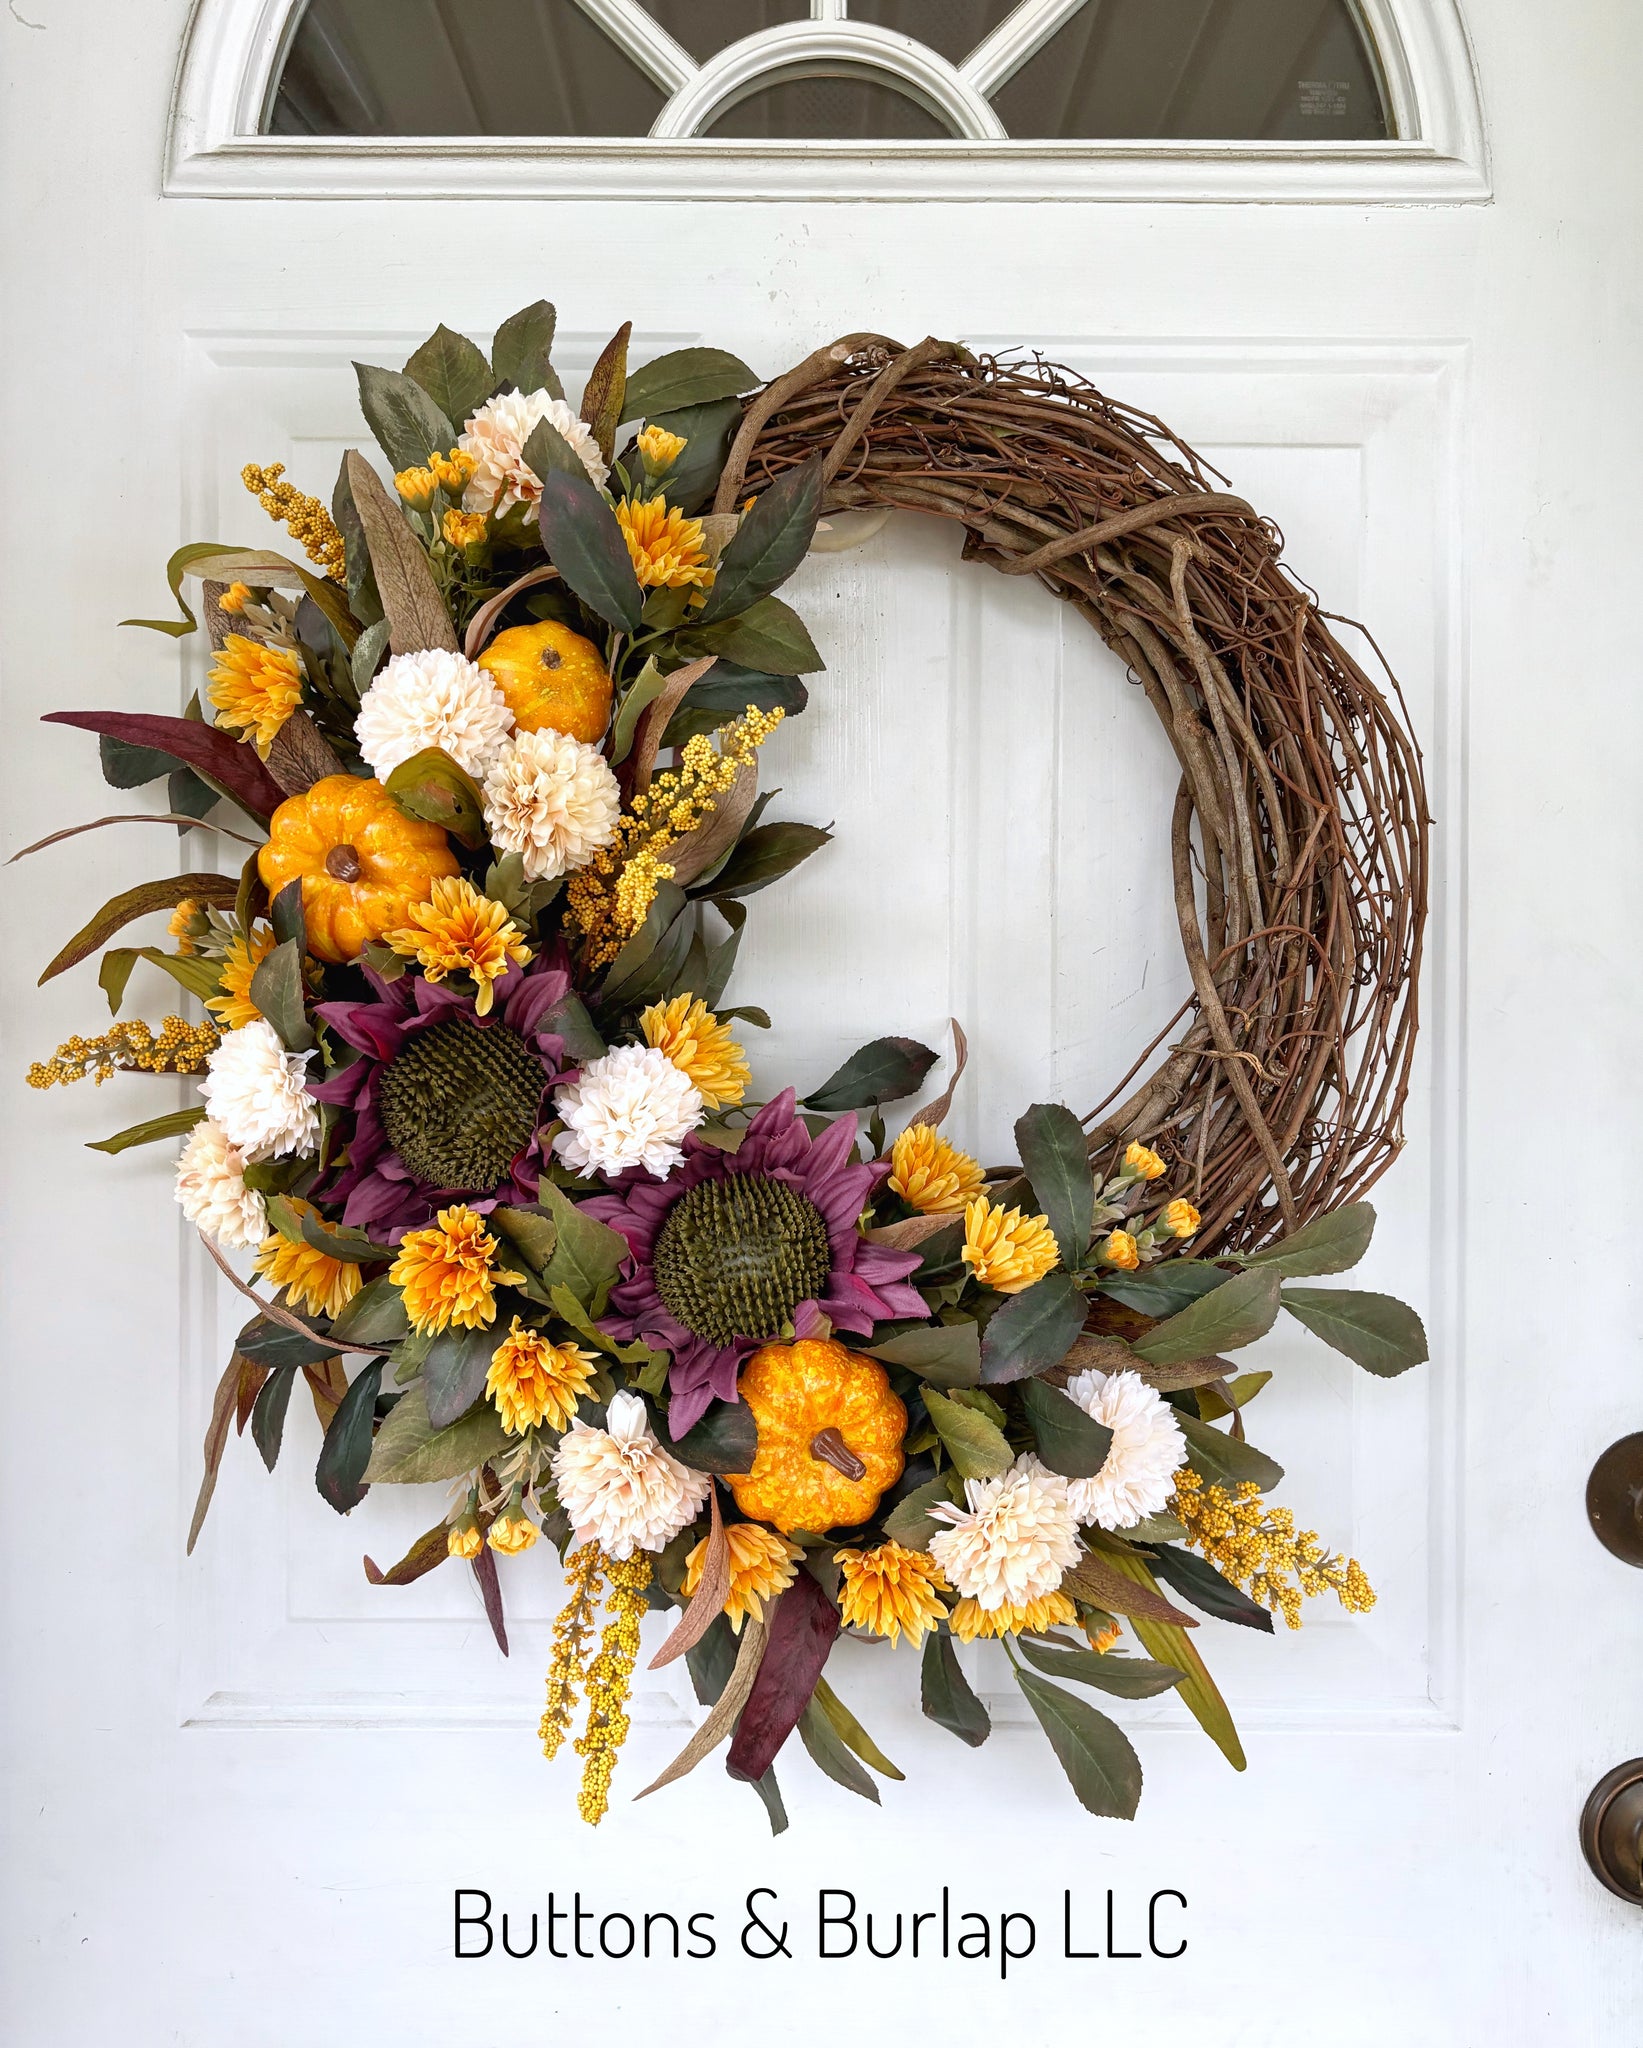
<point x="546" y="452"/>
<point x="1126" y="1678"/>
<point x="763" y="856"/>
<point x="200" y="976"/>
<point x="268" y="1413"/>
<point x="1101" y="1766"/>
<point x="1241" y="1389"/>
<point x="850" y="1731"/>
<point x="431" y="786"/>
<point x="454" y="1370"/>
<point x="531" y="1233"/>
<point x="976" y="1446"/>
<point x="1055" y="1157"/>
<point x="1244" y="1309"/>
<point x="454" y="373"/>
<point x="771" y="541"/>
<point x="1170" y="1644"/>
<point x="276" y="989"/>
<point x="175" y="1125"/>
<point x="408" y="425"/>
<point x="1034" y="1330"/>
<point x="1069" y="1441"/>
<point x="1218" y="1457"/>
<point x="910" y="1522"/>
<point x="587" y="1254"/>
<point x="340" y="1473"/>
<point x="338" y="1241"/>
<point x="946" y="1354"/>
<point x="522" y="347"/>
<point x="366" y="658"/>
<point x="1377" y="1331"/>
<point x="642" y="692"/>
<point x="686" y="376"/>
<point x="569" y="1018"/>
<point x="724" y="693"/>
<point x="285" y="913"/>
<point x="829" y="1754"/>
<point x="725" y="1440"/>
<point x="1164" y="1289"/>
<point x="585" y="544"/>
<point x="650" y="972"/>
<point x="189" y="795"/>
<point x="1197" y="1580"/>
<point x="274" y="1345"/>
<point x="1328" y="1244"/>
<point x="376" y="1315"/>
<point x="769" y="635"/>
<point x="141" y="901"/>
<point x="883" y="1071"/>
<point x="181" y="564"/>
<point x="409" y="1450"/>
<point x="945" y="1695"/>
<point x="128" y="767"/>
<point x="707" y="431"/>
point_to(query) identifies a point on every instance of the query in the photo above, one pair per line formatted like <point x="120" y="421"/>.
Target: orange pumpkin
<point x="364" y="864"/>
<point x="830" y="1436"/>
<point x="551" y="677"/>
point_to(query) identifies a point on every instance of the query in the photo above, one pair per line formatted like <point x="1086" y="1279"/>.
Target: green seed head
<point x="737" y="1256"/>
<point x="460" y="1103"/>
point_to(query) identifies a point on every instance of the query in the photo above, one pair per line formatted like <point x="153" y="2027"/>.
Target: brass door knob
<point x="1614" y="1499"/>
<point x="1611" y="1831"/>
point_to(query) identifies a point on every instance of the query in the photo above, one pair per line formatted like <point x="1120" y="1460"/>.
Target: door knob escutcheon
<point x="1614" y="1499"/>
<point x="1611" y="1831"/>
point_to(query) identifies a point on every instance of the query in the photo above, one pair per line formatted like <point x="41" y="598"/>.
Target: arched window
<point x="876" y="99"/>
<point x="852" y="70"/>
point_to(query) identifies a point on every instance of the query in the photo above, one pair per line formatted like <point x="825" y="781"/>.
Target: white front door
<point x="244" y="1788"/>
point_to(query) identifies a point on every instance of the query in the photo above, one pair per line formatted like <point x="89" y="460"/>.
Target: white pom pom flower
<point x="256" y="1093"/>
<point x="1011" y="1541"/>
<point x="632" y="1107"/>
<point x="1138" y="1476"/>
<point x="495" y="437"/>
<point x="211" y="1188"/>
<point x="619" y="1487"/>
<point x="432" y="699"/>
<point x="553" y="800"/>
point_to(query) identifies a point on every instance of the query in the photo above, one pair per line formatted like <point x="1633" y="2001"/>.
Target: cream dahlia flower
<point x="432" y="699"/>
<point x="257" y="1094"/>
<point x="1011" y="1541"/>
<point x="619" y="1487"/>
<point x="495" y="438"/>
<point x="632" y="1107"/>
<point x="211" y="1188"/>
<point x="553" y="800"/>
<point x="1138" y="1475"/>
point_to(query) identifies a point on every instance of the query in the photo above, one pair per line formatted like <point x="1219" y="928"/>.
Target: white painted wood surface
<point x="242" y="1787"/>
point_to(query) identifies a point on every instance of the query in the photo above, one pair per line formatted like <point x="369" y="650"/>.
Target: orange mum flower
<point x="1050" y="1610"/>
<point x="255" y="688"/>
<point x="668" y="550"/>
<point x="890" y="1590"/>
<point x="446" y="1275"/>
<point x="1006" y="1250"/>
<point x="762" y="1564"/>
<point x="930" y="1175"/>
<point x="458" y="931"/>
<point x="532" y="1381"/>
<point x="312" y="1279"/>
<point x="233" y="1006"/>
<point x="688" y="1034"/>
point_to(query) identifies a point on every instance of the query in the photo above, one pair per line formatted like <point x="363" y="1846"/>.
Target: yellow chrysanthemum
<point x="255" y="688"/>
<point x="458" y="931"/>
<point x="312" y="1279"/>
<point x="1102" y="1636"/>
<point x="669" y="551"/>
<point x="182" y="925"/>
<point x="1143" y="1163"/>
<point x="930" y="1175"/>
<point x="1004" y="1249"/>
<point x="513" y="1531"/>
<point x="1118" y="1248"/>
<point x="234" y="1007"/>
<point x="463" y="529"/>
<point x="463" y="1539"/>
<point x="890" y="1590"/>
<point x="454" y="472"/>
<point x="762" y="1564"/>
<point x="446" y="1275"/>
<point x="234" y="598"/>
<point x="687" y="1033"/>
<point x="1181" y="1219"/>
<point x="659" y="448"/>
<point x="532" y="1381"/>
<point x="416" y="487"/>
<point x="1051" y="1610"/>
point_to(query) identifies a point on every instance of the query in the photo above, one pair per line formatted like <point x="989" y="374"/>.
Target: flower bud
<point x="454" y="472"/>
<point x="464" y="529"/>
<point x="660" y="449"/>
<point x="1181" y="1219"/>
<point x="416" y="487"/>
<point x="1119" y="1249"/>
<point x="234" y="598"/>
<point x="513" y="1530"/>
<point x="1142" y="1163"/>
<point x="463" y="1539"/>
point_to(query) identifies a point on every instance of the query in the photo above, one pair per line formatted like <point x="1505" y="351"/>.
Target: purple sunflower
<point x="446" y="1105"/>
<point x="733" y="1247"/>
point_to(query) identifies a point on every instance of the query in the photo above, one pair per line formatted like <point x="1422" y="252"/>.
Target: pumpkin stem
<point x="343" y="863"/>
<point x="832" y="1449"/>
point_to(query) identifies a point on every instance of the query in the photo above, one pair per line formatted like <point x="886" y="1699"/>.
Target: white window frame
<point x="234" y="53"/>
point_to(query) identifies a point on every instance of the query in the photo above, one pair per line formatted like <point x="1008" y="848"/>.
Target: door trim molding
<point x="233" y="53"/>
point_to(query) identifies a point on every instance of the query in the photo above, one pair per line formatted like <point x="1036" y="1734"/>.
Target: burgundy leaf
<point x="220" y="758"/>
<point x="485" y="1572"/>
<point x="802" y="1630"/>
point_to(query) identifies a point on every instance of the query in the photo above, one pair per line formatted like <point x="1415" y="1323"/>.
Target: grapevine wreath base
<point x="475" y="1115"/>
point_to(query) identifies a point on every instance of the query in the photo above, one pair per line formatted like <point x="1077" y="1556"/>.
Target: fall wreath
<point x="475" y="1114"/>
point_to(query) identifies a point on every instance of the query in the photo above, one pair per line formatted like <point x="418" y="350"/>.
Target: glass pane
<point x="952" y="28"/>
<point x="1210" y="70"/>
<point x="459" y="67"/>
<point x="705" y="26"/>
<point x="846" y="108"/>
